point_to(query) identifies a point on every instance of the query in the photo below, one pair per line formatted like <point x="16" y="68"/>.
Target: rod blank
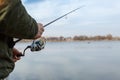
<point x="63" y="16"/>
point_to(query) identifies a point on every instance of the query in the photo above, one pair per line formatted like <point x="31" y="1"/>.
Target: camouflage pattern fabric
<point x="6" y="63"/>
<point x="15" y="22"/>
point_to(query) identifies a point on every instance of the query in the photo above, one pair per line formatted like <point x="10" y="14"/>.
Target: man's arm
<point x="17" y="22"/>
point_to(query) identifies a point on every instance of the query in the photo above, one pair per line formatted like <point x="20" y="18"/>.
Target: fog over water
<point x="85" y="60"/>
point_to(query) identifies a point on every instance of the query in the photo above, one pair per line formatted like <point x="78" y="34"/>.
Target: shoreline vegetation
<point x="107" y="37"/>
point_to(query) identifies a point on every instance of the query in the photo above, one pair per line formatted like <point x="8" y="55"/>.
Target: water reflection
<point x="70" y="61"/>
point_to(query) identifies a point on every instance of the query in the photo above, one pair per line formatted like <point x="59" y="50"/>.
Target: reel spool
<point x="36" y="45"/>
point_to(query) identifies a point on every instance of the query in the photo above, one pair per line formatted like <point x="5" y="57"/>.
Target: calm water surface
<point x="86" y="60"/>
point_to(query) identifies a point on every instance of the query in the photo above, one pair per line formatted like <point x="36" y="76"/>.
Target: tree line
<point x="83" y="38"/>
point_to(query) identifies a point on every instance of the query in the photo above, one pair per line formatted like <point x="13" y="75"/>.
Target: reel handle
<point x="36" y="45"/>
<point x="20" y="55"/>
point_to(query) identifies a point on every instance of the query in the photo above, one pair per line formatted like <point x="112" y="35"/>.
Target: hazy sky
<point x="98" y="17"/>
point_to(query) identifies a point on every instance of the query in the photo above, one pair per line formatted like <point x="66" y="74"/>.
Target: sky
<point x="98" y="17"/>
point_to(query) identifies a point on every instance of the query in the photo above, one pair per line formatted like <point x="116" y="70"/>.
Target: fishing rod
<point x="63" y="16"/>
<point x="40" y="44"/>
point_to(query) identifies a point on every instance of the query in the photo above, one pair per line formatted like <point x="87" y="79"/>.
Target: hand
<point x="40" y="31"/>
<point x="15" y="53"/>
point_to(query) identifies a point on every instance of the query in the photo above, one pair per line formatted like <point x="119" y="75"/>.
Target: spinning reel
<point x="36" y="45"/>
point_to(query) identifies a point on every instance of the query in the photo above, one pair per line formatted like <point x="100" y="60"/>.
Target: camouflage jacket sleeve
<point x="15" y="21"/>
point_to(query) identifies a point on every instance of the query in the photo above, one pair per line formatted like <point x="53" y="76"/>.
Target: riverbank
<point x="108" y="37"/>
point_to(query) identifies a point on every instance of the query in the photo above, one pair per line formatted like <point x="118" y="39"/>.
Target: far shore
<point x="108" y="37"/>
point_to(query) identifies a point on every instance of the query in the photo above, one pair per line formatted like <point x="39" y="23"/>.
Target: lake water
<point x="87" y="60"/>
